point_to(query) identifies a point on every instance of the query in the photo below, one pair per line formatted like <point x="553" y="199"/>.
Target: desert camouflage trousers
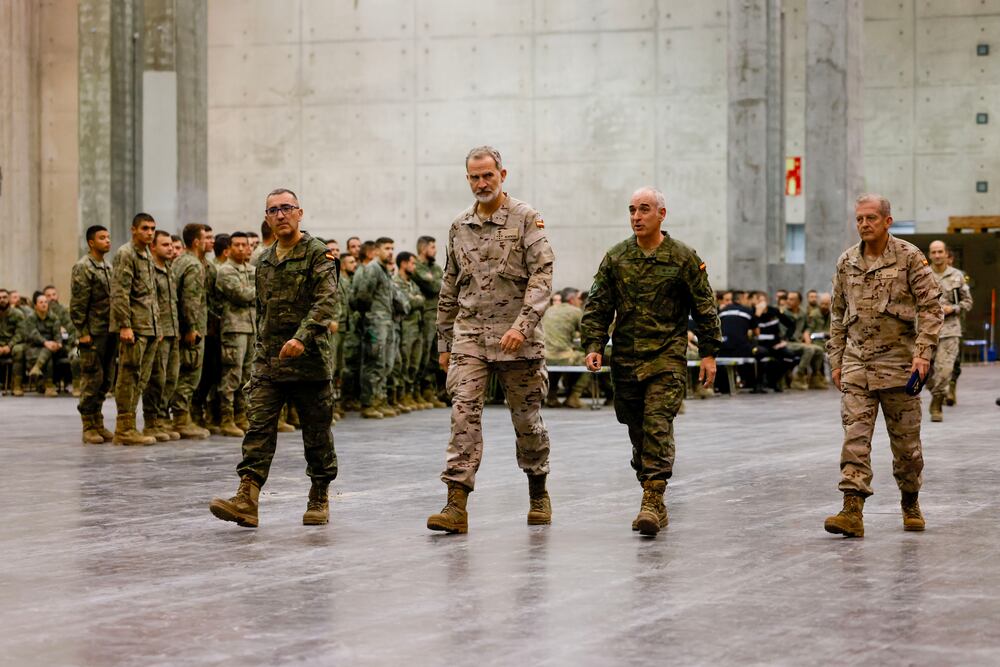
<point x="858" y="409"/>
<point x="525" y="384"/>
<point x="648" y="407"/>
<point x="944" y="365"/>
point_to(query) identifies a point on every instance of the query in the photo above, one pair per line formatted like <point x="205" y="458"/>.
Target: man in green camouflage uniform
<point x="428" y="276"/>
<point x="394" y="364"/>
<point x="497" y="283"/>
<point x="11" y="347"/>
<point x="348" y="342"/>
<point x="134" y="317"/>
<point x="296" y="283"/>
<point x="90" y="310"/>
<point x="163" y="378"/>
<point x="61" y="313"/>
<point x="237" y="294"/>
<point x="188" y="272"/>
<point x="809" y="373"/>
<point x="411" y="344"/>
<point x="372" y="294"/>
<point x="647" y="286"/>
<point x="886" y="318"/>
<point x="561" y="324"/>
<point x="956" y="299"/>
<point x="44" y="343"/>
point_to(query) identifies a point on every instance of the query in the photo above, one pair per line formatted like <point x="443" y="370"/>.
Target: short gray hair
<point x="661" y="200"/>
<point x="485" y="151"/>
<point x="282" y="191"/>
<point x="884" y="209"/>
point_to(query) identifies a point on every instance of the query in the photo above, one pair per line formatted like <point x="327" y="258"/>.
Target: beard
<point x="488" y="198"/>
<point x="431" y="259"/>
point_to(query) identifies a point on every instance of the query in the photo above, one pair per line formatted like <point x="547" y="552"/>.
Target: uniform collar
<point x="887" y="258"/>
<point x="499" y="217"/>
<point x="662" y="250"/>
<point x="297" y="252"/>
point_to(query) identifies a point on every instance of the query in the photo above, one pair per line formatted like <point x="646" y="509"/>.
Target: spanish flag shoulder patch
<point x="540" y="223"/>
<point x="330" y="256"/>
<point x="701" y="267"/>
<point x="925" y="261"/>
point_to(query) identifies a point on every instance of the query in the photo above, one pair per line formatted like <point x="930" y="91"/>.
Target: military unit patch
<point x="701" y="267"/>
<point x="540" y="223"/>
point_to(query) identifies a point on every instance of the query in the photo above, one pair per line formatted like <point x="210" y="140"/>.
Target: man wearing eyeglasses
<point x="496" y="286"/>
<point x="296" y="284"/>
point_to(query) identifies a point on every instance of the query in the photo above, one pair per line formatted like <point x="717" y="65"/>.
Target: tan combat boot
<point x="18" y="388"/>
<point x="35" y="372"/>
<point x="453" y="518"/>
<point x="371" y="412"/>
<point x="242" y="421"/>
<point x="99" y="427"/>
<point x="937" y="401"/>
<point x="91" y="435"/>
<point x="952" y="397"/>
<point x="849" y="522"/>
<point x="50" y="389"/>
<point x="385" y="409"/>
<point x="125" y="433"/>
<point x="151" y="428"/>
<point x="165" y="426"/>
<point x="226" y="425"/>
<point x="241" y="509"/>
<point x="912" y="518"/>
<point x="818" y="381"/>
<point x="540" y="511"/>
<point x="396" y="405"/>
<point x="283" y="425"/>
<point x="431" y="398"/>
<point x="407" y="401"/>
<point x="573" y="400"/>
<point x="653" y="512"/>
<point x="799" y="381"/>
<point x="187" y="428"/>
<point x="75" y="388"/>
<point x="318" y="508"/>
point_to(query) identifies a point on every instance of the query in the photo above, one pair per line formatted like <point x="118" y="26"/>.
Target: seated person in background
<point x="739" y="324"/>
<point x="556" y="299"/>
<point x="724" y="298"/>
<point x="812" y="301"/>
<point x="561" y="324"/>
<point x="43" y="342"/>
<point x="781" y="299"/>
<point x="772" y="350"/>
<point x="809" y="374"/>
<point x="11" y="328"/>
<point x="818" y="319"/>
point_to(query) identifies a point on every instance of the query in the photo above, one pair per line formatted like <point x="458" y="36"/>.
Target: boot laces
<point x="538" y="503"/>
<point x="911" y="510"/>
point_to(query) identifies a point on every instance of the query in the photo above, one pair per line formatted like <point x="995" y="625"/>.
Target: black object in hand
<point x="916" y="383"/>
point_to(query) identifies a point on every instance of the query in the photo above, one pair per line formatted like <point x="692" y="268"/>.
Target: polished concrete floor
<point x="109" y="556"/>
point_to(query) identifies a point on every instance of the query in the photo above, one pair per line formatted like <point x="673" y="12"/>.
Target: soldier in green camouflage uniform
<point x="11" y="347"/>
<point x="61" y="313"/>
<point x="134" y="316"/>
<point x="90" y="310"/>
<point x="296" y="301"/>
<point x="411" y="344"/>
<point x="886" y="318"/>
<point x="647" y="286"/>
<point x="237" y="294"/>
<point x="346" y="340"/>
<point x="428" y="276"/>
<point x="561" y="324"/>
<point x="163" y="378"/>
<point x="394" y="365"/>
<point x="44" y="343"/>
<point x="188" y="272"/>
<point x="372" y="294"/>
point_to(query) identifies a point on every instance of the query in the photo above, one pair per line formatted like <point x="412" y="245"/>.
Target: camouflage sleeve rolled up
<point x="122" y="275"/>
<point x="599" y="311"/>
<point x="79" y="300"/>
<point x="538" y="259"/>
<point x="704" y="309"/>
<point x="927" y="298"/>
<point x="838" y="332"/>
<point x="448" y="298"/>
<point x="324" y="299"/>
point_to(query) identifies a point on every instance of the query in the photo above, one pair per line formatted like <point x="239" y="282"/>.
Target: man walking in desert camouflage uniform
<point x="886" y="318"/>
<point x="497" y="283"/>
<point x="648" y="285"/>
<point x="955" y="300"/>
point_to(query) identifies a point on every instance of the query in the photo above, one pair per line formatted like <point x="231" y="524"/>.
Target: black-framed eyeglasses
<point x="284" y="208"/>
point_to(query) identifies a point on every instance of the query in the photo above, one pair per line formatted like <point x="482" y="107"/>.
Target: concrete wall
<point x="367" y="109"/>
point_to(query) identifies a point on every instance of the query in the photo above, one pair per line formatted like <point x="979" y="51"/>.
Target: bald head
<point x="938" y="254"/>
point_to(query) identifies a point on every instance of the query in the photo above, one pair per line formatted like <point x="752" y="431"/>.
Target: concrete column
<point x="191" y="17"/>
<point x="755" y="142"/>
<point x="833" y="165"/>
<point x="111" y="65"/>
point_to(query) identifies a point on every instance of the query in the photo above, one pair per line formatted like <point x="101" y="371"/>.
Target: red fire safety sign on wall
<point x="793" y="176"/>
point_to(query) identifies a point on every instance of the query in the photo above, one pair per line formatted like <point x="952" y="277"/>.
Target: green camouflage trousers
<point x="394" y="362"/>
<point x="162" y="380"/>
<point x="237" y="360"/>
<point x="411" y="356"/>
<point x="648" y="407"/>
<point x="944" y="365"/>
<point x="427" y="375"/>
<point x="858" y="410"/>
<point x="375" y="366"/>
<point x="45" y="358"/>
<point x="812" y="358"/>
<point x="314" y="402"/>
<point x="97" y="372"/>
<point x="188" y="377"/>
<point x="17" y="360"/>
<point x="135" y="364"/>
<point x="525" y="384"/>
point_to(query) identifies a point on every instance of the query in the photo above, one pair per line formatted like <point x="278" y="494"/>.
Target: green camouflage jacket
<point x="237" y="292"/>
<point x="414" y="299"/>
<point x="428" y="278"/>
<point x="61" y="313"/>
<point x="133" y="292"/>
<point x="561" y="326"/>
<point x="35" y="331"/>
<point x="166" y="301"/>
<point x="189" y="280"/>
<point x="11" y="326"/>
<point x="649" y="300"/>
<point x="90" y="297"/>
<point x="372" y="287"/>
<point x="346" y="317"/>
<point x="296" y="298"/>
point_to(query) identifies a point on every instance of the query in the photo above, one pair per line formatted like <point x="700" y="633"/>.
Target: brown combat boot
<point x="540" y="511"/>
<point x="152" y="429"/>
<point x="432" y="398"/>
<point x="937" y="402"/>
<point x="99" y="427"/>
<point x="396" y="405"/>
<point x="573" y="400"/>
<point x="849" y="522"/>
<point x="318" y="508"/>
<point x="407" y="400"/>
<point x="952" y="397"/>
<point x="371" y="412"/>
<point x="187" y="428"/>
<point x="241" y="509"/>
<point x="125" y="433"/>
<point x="653" y="512"/>
<point x="226" y="425"/>
<point x="50" y="389"/>
<point x="242" y="421"/>
<point x="35" y="372"/>
<point x="91" y="436"/>
<point x="75" y="388"/>
<point x="799" y="381"/>
<point x="818" y="381"/>
<point x="453" y="518"/>
<point x="165" y="426"/>
<point x="283" y="425"/>
<point x="912" y="517"/>
<point x="292" y="416"/>
<point x="18" y="388"/>
<point x="385" y="409"/>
